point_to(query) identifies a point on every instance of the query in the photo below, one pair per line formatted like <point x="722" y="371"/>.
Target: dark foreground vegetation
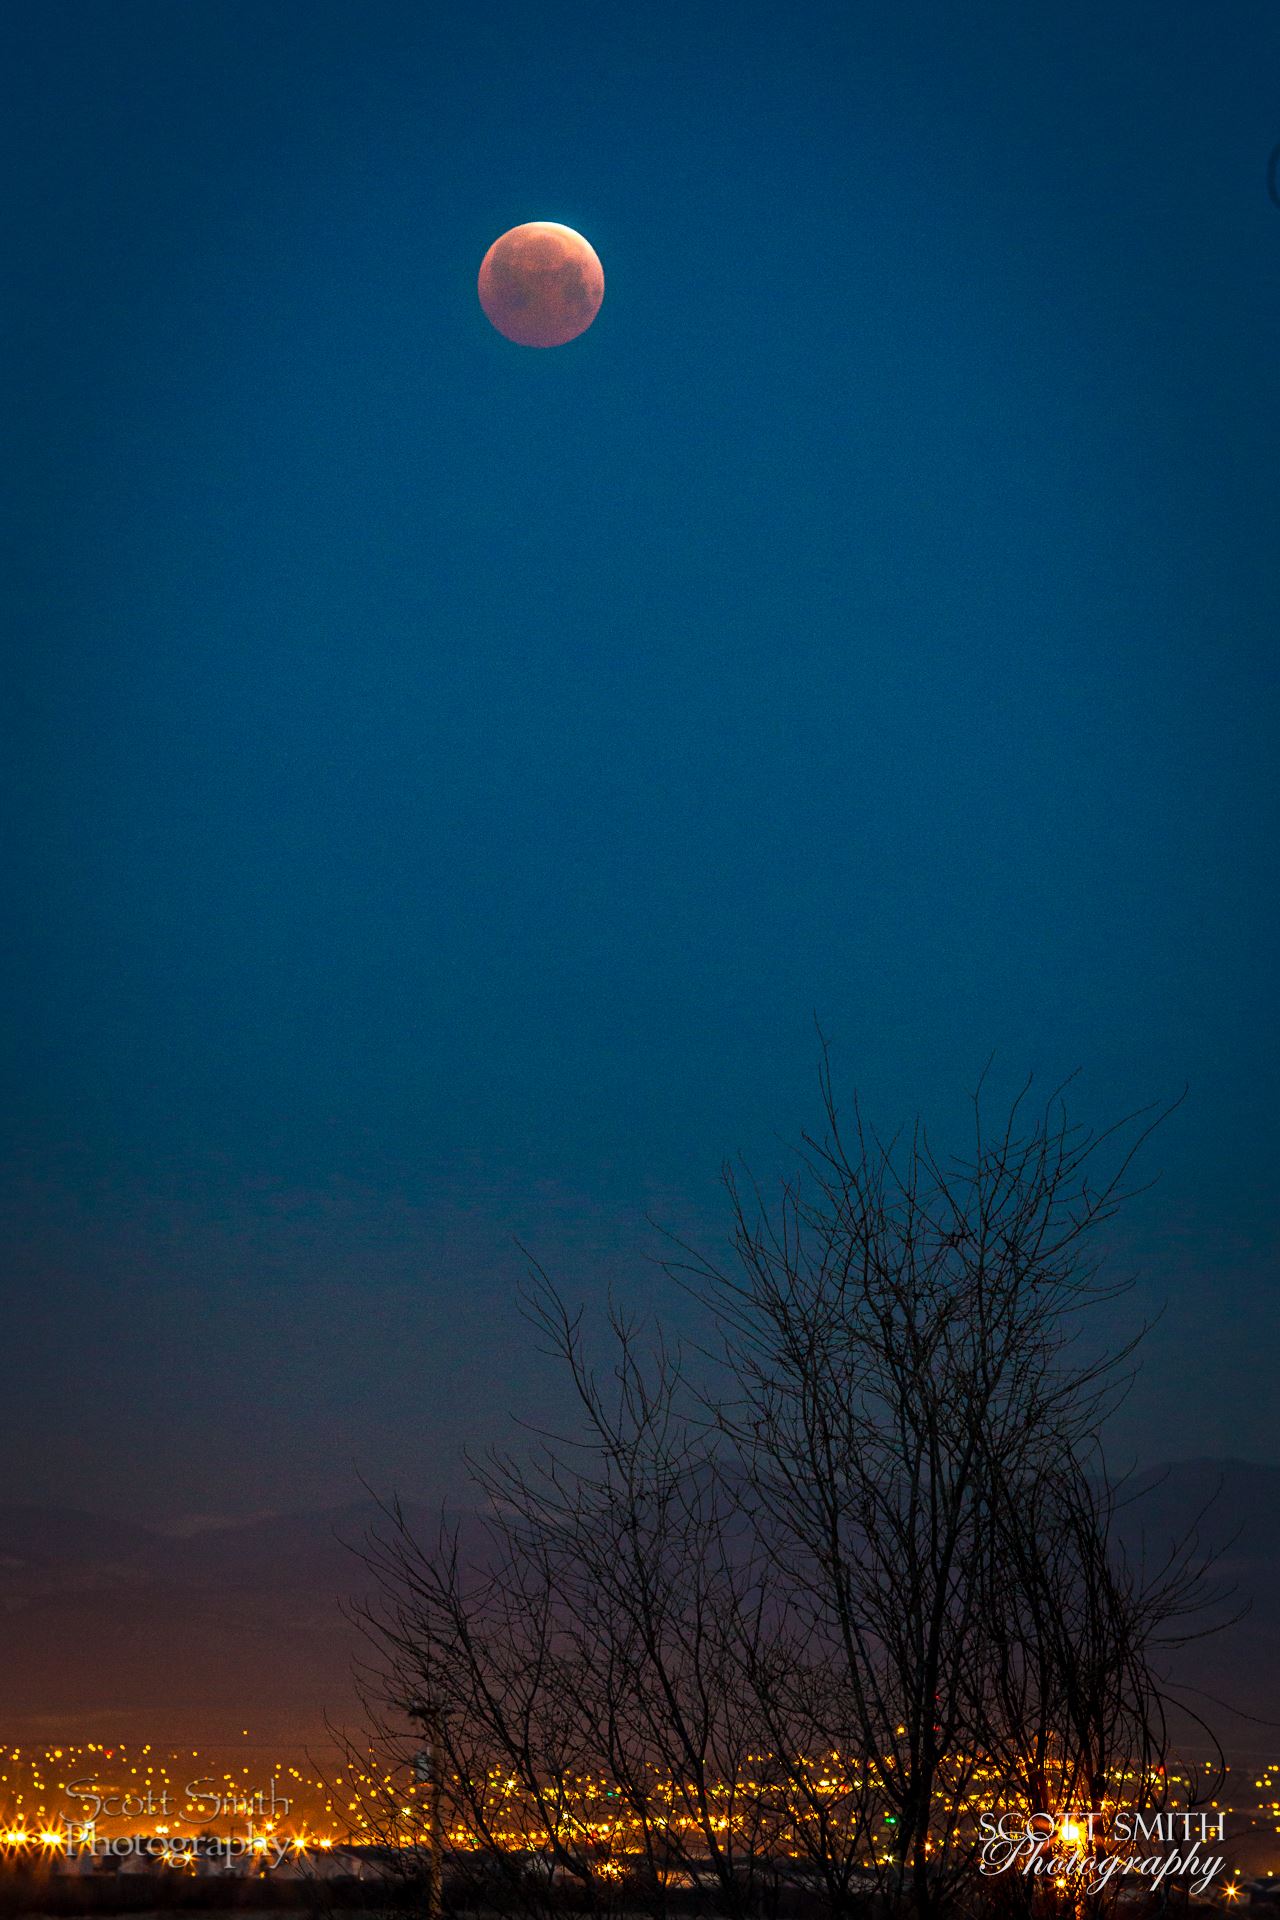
<point x="480" y="1893"/>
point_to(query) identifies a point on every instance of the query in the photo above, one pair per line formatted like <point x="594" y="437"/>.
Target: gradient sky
<point x="445" y="780"/>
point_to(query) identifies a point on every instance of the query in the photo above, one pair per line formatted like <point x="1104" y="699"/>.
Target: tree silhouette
<point x="777" y="1620"/>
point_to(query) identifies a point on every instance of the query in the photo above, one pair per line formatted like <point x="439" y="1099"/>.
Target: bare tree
<point x="796" y="1609"/>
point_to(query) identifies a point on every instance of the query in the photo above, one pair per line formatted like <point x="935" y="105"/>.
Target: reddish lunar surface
<point x="541" y="284"/>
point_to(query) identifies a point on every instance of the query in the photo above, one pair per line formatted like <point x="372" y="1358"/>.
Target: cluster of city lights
<point x="45" y="1791"/>
<point x="315" y="1808"/>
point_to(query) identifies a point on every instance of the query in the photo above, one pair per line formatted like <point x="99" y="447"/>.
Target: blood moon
<point x="541" y="284"/>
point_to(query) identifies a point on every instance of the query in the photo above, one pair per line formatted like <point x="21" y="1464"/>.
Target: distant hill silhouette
<point x="116" y="1631"/>
<point x="1238" y="1671"/>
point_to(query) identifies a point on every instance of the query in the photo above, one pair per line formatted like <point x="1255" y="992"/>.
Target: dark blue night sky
<point x="446" y="780"/>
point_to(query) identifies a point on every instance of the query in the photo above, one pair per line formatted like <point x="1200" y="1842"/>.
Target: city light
<point x="283" y="1810"/>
